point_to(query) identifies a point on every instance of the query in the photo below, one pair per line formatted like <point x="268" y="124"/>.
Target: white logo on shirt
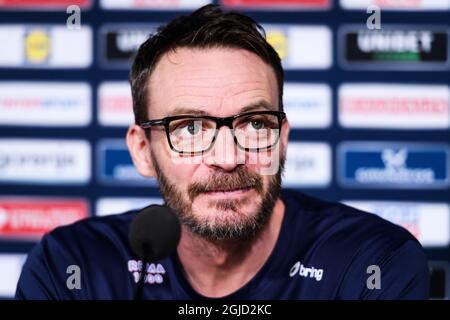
<point x="302" y="271"/>
<point x="153" y="275"/>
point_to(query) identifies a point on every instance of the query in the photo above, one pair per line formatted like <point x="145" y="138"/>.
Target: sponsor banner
<point x="115" y="166"/>
<point x="308" y="164"/>
<point x="115" y="106"/>
<point x="428" y="222"/>
<point x="301" y="47"/>
<point x="307" y="105"/>
<point x="394" y="47"/>
<point x="45" y="46"/>
<point x="404" y="5"/>
<point x="119" y="43"/>
<point x="40" y="161"/>
<point x="107" y="206"/>
<point x="394" y="106"/>
<point x="278" y="4"/>
<point x="29" y="218"/>
<point x="152" y="4"/>
<point x="43" y="4"/>
<point x="10" y="268"/>
<point x="393" y="165"/>
<point x="45" y="104"/>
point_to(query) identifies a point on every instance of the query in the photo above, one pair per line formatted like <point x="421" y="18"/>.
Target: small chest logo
<point x="307" y="272"/>
<point x="154" y="273"/>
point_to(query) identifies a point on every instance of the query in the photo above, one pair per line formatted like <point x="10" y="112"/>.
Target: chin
<point x="223" y="217"/>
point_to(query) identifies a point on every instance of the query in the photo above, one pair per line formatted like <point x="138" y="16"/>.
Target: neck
<point x="218" y="268"/>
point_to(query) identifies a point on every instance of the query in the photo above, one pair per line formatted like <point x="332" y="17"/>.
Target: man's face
<point x="226" y="192"/>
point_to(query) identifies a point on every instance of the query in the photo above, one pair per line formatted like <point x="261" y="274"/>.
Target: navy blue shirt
<point x="324" y="251"/>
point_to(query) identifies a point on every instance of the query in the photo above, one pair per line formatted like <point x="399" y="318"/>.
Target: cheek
<point x="265" y="163"/>
<point x="180" y="174"/>
<point x="180" y="171"/>
<point x="171" y="163"/>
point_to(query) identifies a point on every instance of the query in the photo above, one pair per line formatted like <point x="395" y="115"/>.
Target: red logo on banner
<point x="278" y="3"/>
<point x="30" y="219"/>
<point x="51" y="4"/>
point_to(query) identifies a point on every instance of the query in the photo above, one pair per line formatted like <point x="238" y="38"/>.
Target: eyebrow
<point x="255" y="106"/>
<point x="260" y="104"/>
<point x="188" y="111"/>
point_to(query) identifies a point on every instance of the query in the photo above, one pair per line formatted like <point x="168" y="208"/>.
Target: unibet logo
<point x="279" y="42"/>
<point x="302" y="271"/>
<point x="396" y="41"/>
<point x="37" y="46"/>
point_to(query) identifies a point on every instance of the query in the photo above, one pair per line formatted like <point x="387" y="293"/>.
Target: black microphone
<point x="154" y="234"/>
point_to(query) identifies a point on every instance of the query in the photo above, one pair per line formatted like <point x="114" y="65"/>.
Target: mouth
<point x="229" y="193"/>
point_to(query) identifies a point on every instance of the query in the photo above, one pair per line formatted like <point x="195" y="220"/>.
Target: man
<point x="207" y="96"/>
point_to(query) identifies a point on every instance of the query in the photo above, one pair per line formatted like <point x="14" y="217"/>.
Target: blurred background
<point x="367" y="94"/>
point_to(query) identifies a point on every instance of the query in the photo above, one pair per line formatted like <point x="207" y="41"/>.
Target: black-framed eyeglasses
<point x="192" y="135"/>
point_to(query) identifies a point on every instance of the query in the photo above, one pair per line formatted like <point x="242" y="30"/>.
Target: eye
<point x="190" y="127"/>
<point x="257" y="124"/>
<point x="193" y="127"/>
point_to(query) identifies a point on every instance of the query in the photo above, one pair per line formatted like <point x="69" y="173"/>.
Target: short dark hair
<point x="207" y="27"/>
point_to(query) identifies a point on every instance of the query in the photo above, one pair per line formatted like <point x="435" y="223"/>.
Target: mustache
<point x="238" y="179"/>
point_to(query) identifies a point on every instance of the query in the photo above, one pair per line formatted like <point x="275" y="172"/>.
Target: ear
<point x="284" y="138"/>
<point x="139" y="148"/>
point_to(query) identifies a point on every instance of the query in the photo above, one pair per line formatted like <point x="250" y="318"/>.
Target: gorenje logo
<point x="308" y="164"/>
<point x="306" y="272"/>
<point x="39" y="161"/>
<point x="393" y="165"/>
<point x="395" y="47"/>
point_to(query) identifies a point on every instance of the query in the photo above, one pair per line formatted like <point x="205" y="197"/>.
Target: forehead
<point x="219" y="81"/>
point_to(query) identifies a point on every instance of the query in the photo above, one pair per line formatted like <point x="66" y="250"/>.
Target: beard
<point x="227" y="223"/>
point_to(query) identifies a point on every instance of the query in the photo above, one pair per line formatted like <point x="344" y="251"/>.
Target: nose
<point x="224" y="153"/>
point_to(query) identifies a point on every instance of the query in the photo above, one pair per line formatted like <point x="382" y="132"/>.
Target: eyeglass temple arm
<point x="152" y="123"/>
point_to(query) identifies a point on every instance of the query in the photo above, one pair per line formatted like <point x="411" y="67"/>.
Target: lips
<point x="229" y="190"/>
<point x="229" y="193"/>
<point x="240" y="182"/>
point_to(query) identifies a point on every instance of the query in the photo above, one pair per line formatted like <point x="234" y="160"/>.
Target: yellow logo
<point x="279" y="42"/>
<point x="37" y="46"/>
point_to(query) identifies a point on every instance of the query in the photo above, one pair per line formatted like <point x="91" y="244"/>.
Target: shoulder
<point x="339" y="223"/>
<point x="107" y="228"/>
<point x="95" y="245"/>
<point x="347" y="242"/>
<point x="88" y="240"/>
